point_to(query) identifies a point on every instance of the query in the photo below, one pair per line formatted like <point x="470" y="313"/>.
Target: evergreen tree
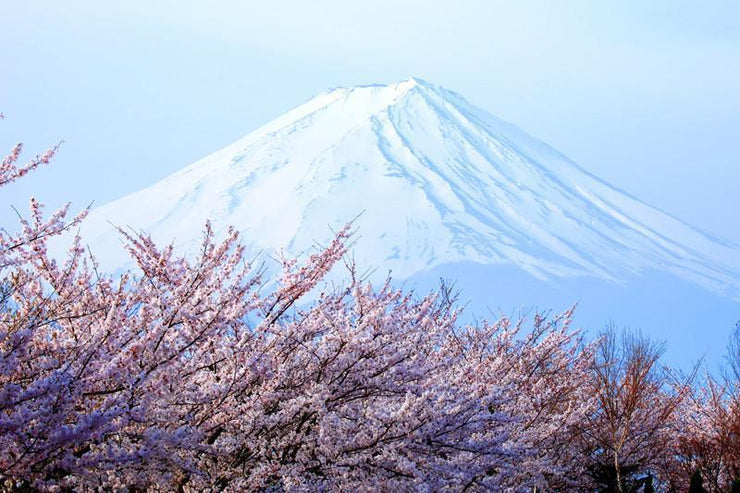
<point x="735" y="484"/>
<point x="697" y="483"/>
<point x="649" y="488"/>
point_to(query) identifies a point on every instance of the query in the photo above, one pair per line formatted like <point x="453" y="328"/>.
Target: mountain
<point x="434" y="179"/>
<point x="434" y="183"/>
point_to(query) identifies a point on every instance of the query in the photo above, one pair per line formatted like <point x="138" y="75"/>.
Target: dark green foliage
<point x="649" y="488"/>
<point x="736" y="483"/>
<point x="606" y="478"/>
<point x="697" y="483"/>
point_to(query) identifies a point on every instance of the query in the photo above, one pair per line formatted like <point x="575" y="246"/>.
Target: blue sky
<point x="644" y="94"/>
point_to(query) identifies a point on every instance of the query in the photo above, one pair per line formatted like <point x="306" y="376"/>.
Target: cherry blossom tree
<point x="710" y="423"/>
<point x="185" y="375"/>
<point x="543" y="376"/>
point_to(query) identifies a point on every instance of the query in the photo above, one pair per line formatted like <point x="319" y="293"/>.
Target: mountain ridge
<point x="440" y="181"/>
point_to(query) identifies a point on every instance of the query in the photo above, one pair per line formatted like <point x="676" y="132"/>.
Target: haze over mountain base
<point x="694" y="323"/>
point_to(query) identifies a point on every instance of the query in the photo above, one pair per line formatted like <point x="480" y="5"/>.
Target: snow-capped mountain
<point x="435" y="181"/>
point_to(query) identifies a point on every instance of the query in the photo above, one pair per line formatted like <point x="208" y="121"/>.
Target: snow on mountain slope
<point x="437" y="181"/>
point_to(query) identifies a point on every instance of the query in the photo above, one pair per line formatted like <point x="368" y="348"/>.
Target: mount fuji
<point x="441" y="188"/>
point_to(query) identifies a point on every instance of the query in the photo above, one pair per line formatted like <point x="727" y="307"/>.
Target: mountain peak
<point x="439" y="180"/>
<point x="399" y="86"/>
<point x="373" y="98"/>
<point x="414" y="82"/>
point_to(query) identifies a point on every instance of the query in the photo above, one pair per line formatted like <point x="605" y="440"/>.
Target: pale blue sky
<point x="644" y="94"/>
